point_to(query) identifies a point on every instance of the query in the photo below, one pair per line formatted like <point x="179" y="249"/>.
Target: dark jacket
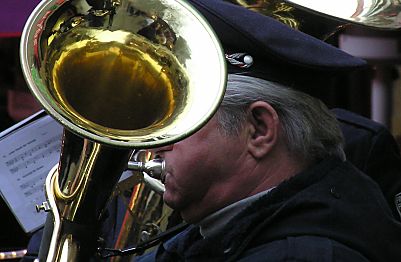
<point x="332" y="212"/>
<point x="369" y="146"/>
<point x="373" y="150"/>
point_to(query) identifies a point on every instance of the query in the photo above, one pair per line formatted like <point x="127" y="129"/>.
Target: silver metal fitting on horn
<point x="154" y="168"/>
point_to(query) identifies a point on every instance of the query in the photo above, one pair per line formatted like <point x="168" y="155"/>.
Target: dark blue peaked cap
<point x="279" y="52"/>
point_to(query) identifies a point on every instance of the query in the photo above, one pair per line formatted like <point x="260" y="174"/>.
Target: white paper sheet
<point x="28" y="151"/>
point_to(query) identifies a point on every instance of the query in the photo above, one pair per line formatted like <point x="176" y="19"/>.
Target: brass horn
<point x="118" y="75"/>
<point x="322" y="19"/>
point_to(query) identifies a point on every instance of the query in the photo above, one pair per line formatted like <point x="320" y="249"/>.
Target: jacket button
<point x="334" y="193"/>
<point x="227" y="250"/>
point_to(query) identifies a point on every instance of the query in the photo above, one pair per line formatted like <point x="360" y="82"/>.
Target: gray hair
<point x="310" y="130"/>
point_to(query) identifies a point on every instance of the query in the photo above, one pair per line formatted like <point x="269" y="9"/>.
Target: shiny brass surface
<point x="133" y="70"/>
<point x="12" y="255"/>
<point x="146" y="215"/>
<point x="119" y="75"/>
<point x="276" y="9"/>
<point x="378" y="14"/>
<point x="322" y="19"/>
<point x="100" y="69"/>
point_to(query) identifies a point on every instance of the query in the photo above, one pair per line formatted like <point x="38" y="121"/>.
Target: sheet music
<point x="27" y="154"/>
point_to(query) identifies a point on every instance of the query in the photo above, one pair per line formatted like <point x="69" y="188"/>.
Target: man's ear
<point x="263" y="123"/>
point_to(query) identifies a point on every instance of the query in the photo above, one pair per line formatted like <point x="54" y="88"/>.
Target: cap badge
<point x="242" y="60"/>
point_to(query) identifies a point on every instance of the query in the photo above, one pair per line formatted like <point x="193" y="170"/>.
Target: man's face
<point x="200" y="170"/>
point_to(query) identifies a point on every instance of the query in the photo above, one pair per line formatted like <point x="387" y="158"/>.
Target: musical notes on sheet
<point x="26" y="157"/>
<point x="30" y="157"/>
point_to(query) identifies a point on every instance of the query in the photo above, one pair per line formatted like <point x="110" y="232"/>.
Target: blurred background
<point x="374" y="93"/>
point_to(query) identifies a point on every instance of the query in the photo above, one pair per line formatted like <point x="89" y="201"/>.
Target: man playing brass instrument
<point x="266" y="179"/>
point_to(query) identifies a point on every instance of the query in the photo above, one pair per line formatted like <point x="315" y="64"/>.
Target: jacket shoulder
<point x="319" y="249"/>
<point x="358" y="121"/>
